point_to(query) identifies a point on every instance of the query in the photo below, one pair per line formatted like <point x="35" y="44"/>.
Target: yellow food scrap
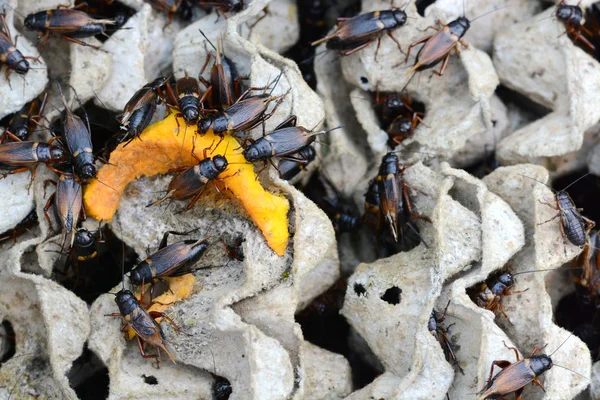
<point x="165" y="146"/>
<point x="181" y="288"/>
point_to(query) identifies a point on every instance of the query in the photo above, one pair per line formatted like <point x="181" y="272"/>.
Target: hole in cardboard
<point x="392" y="295"/>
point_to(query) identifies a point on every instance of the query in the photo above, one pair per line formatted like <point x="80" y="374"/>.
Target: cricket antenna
<point x="208" y="40"/>
<point x="105" y="184"/>
<point x="550" y="17"/>
<point x="311" y="58"/>
<point x="416" y="232"/>
<point x="406" y="149"/>
<point x="318" y="123"/>
<point x="489" y="12"/>
<point x="545" y="184"/>
<point x="98" y="98"/>
<point x="532" y="271"/>
<point x="225" y="152"/>
<point x="12" y="8"/>
<point x="122" y="254"/>
<point x="561" y="345"/>
<point x="570" y="370"/>
<point x="576" y="180"/>
<point x="563" y="189"/>
<point x="276" y="81"/>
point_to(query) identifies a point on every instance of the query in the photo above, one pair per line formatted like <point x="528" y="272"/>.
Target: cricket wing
<point x="434" y="50"/>
<point x="509" y="380"/>
<point x="177" y="259"/>
<point x="140" y="99"/>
